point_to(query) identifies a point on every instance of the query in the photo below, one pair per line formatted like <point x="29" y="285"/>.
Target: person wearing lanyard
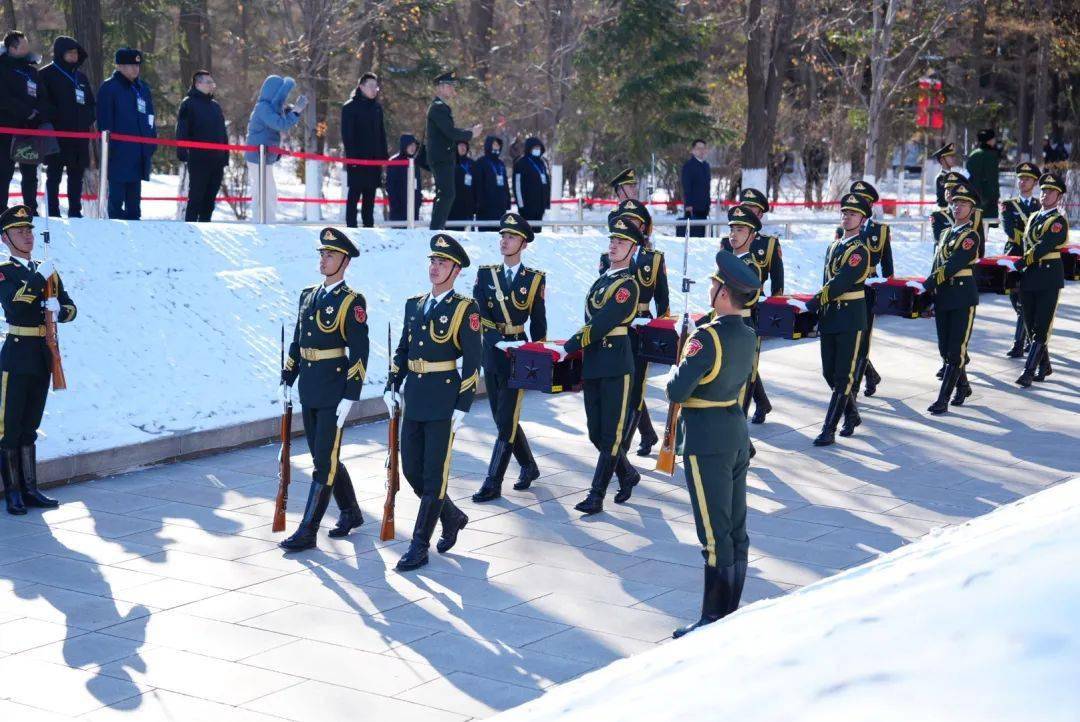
<point x="125" y="106"/>
<point x="532" y="184"/>
<point x="68" y="103"/>
<point x="492" y="190"/>
<point x="19" y="108"/>
<point x="464" y="207"/>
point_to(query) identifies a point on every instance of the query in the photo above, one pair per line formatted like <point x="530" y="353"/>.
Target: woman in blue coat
<point x="269" y="118"/>
<point x="492" y="186"/>
<point x="125" y="105"/>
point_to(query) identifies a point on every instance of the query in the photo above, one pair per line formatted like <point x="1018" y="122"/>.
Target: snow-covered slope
<point x="179" y="323"/>
<point x="976" y="623"/>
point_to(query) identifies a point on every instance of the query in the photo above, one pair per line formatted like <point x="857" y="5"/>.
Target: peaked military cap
<point x="866" y="190"/>
<point x="964" y="191"/>
<point x="621" y="226"/>
<point x="514" y="223"/>
<point x="952" y="178"/>
<point x="331" y="239"/>
<point x="754" y="197"/>
<point x="445" y="246"/>
<point x="734" y="272"/>
<point x="1052" y="181"/>
<point x="448" y="77"/>
<point x="857" y="203"/>
<point x="625" y="178"/>
<point x="636" y="209"/>
<point x="15" y="217"/>
<point x="127" y="56"/>
<point x="743" y="215"/>
<point x="1027" y="169"/>
<point x="947" y="149"/>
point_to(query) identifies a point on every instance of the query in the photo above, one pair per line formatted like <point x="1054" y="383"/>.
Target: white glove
<point x="458" y="420"/>
<point x="557" y="349"/>
<point x="690" y="326"/>
<point x="1008" y="263"/>
<point x="46" y="268"/>
<point x="796" y="303"/>
<point x="300" y="104"/>
<point x="919" y="288"/>
<point x="343" y="408"/>
<point x="506" y="345"/>
<point x="672" y="370"/>
<point x="392" y="399"/>
<point x="51" y="304"/>
<point x="875" y="280"/>
<point x="286" y="394"/>
<point x="640" y="321"/>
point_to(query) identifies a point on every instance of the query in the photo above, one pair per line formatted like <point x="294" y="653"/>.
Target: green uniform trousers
<point x="443" y="173"/>
<point x="22" y="404"/>
<point x="953" y="333"/>
<point x="717" y="485"/>
<point x="864" y="343"/>
<point x="425" y="455"/>
<point x="1039" y="308"/>
<point x="505" y="405"/>
<point x="607" y="406"/>
<point x="839" y="354"/>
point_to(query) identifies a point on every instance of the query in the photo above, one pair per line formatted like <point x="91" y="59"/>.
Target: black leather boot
<point x="762" y="406"/>
<point x="649" y="438"/>
<point x="594" y="502"/>
<point x="1044" y="369"/>
<point x="963" y="388"/>
<point x="31" y="495"/>
<point x="453" y="521"/>
<point x="837" y="404"/>
<point x="716" y="598"/>
<point x="628" y="477"/>
<point x="948" y="382"/>
<point x="873" y="378"/>
<point x="345" y="496"/>
<point x="426" y="518"/>
<point x="736" y="589"/>
<point x="851" y="417"/>
<point x="629" y="429"/>
<point x="9" y="473"/>
<point x="941" y="372"/>
<point x="1032" y="363"/>
<point x="304" y="538"/>
<point x="492" y="486"/>
<point x="530" y="472"/>
<point x="1020" y="334"/>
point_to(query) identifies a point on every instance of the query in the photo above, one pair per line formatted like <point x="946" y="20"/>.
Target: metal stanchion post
<point x="410" y="200"/>
<point x="581" y="215"/>
<point x="103" y="177"/>
<point x="262" y="185"/>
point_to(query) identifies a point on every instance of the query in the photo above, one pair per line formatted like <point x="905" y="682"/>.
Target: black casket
<point x="995" y="274"/>
<point x="1070" y="259"/>
<point x="658" y="340"/>
<point x="534" y="367"/>
<point x="780" y="318"/>
<point x="894" y="297"/>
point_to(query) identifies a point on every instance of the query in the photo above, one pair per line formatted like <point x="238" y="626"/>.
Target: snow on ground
<point x="975" y="623"/>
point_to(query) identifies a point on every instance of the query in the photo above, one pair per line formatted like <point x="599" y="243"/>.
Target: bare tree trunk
<point x="10" y="20"/>
<point x="194" y="38"/>
<point x="1023" y="101"/>
<point x="84" y="19"/>
<point x="880" y="47"/>
<point x="481" y="23"/>
<point x="1042" y="74"/>
<point x="755" y="152"/>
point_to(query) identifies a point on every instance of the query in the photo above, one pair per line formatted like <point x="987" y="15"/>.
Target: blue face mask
<point x="536" y="152"/>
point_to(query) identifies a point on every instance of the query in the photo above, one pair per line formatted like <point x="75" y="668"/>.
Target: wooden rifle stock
<point x="284" y="469"/>
<point x="665" y="459"/>
<point x="393" y="478"/>
<point x="59" y="382"/>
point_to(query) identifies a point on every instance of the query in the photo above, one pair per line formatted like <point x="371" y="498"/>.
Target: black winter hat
<point x="127" y="56"/>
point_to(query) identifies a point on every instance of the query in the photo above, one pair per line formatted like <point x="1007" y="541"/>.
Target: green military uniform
<point x="878" y="239"/>
<point x="841" y="308"/>
<point x="441" y="144"/>
<point x="711" y="375"/>
<point x="25" y="366"/>
<point x="940" y="182"/>
<point x="1015" y="213"/>
<point x="743" y="215"/>
<point x="650" y="271"/>
<point x="436" y="333"/>
<point x="508" y="299"/>
<point x="982" y="167"/>
<point x="329" y="355"/>
<point x="952" y="281"/>
<point x="1042" y="276"/>
<point x="607" y="370"/>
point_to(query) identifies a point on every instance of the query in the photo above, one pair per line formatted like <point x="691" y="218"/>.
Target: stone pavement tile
<point x="776" y="526"/>
<point x="496" y="627"/>
<point x="319" y="702"/>
<point x="544" y="488"/>
<point x="586" y="614"/>
<point x="528" y="525"/>
<point x="875" y="542"/>
<point x="78" y="575"/>
<point x="51" y="517"/>
<point x="11" y="529"/>
<point x="649" y="527"/>
<point x="232" y="607"/>
<point x="212" y="496"/>
<point x="108" y="526"/>
<point x="209" y="637"/>
<point x="954" y="497"/>
<point x="22" y="713"/>
<point x="364" y="671"/>
<point x="229" y="683"/>
<point x="938" y="514"/>
<point x="74" y="609"/>
<point x="200" y="569"/>
<point x="341" y="567"/>
<point x="210" y="519"/>
<point x="96" y="499"/>
<point x="454" y="589"/>
<point x="686" y="604"/>
<point x="20" y="635"/>
<point x="60" y="689"/>
<point x="159" y="705"/>
<point x="9" y="554"/>
<point x="83" y="547"/>
<point x="346" y="629"/>
<point x="469" y="695"/>
<point x="665" y="575"/>
<point x="784" y="571"/>
<point x="813" y="552"/>
<point x="192" y="540"/>
<point x="589" y="646"/>
<point x="537" y="580"/>
<point x="216" y="475"/>
<point x="89" y="651"/>
<point x="560" y="555"/>
<point x="449" y="653"/>
<point x="997" y="492"/>
<point x="637" y="548"/>
<point x="906" y="527"/>
<point x="314" y="588"/>
<point x="166" y="593"/>
<point x="479" y="565"/>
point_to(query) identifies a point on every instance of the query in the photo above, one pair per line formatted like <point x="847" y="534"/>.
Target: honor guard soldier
<point x="711" y="375"/>
<point x="625" y="185"/>
<point x="608" y="363"/>
<point x="1042" y="275"/>
<point x="767" y="255"/>
<point x="878" y="239"/>
<point x="950" y="162"/>
<point x="329" y="353"/>
<point x="440" y="327"/>
<point x="955" y="296"/>
<point x="941" y="219"/>
<point x="441" y="143"/>
<point x="1015" y="213"/>
<point x="841" y="309"/>
<point x="743" y="225"/>
<point x="509" y="295"/>
<point x="25" y="361"/>
<point x="650" y="271"/>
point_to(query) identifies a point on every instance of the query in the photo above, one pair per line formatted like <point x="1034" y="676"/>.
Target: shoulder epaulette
<point x="490" y="265"/>
<point x="537" y="271"/>
<point x="417" y="296"/>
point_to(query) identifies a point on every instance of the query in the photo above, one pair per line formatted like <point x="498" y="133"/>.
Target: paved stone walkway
<point x="160" y="594"/>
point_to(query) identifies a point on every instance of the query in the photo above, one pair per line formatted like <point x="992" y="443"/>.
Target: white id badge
<point x="500" y="181"/>
<point x="80" y="96"/>
<point x="543" y="179"/>
<point x="31" y="88"/>
<point x="141" y="105"/>
<point x="468" y="180"/>
<point x="150" y="120"/>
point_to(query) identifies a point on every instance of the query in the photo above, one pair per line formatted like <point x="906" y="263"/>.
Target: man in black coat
<point x="490" y="182"/>
<point x="19" y="108"/>
<point x="464" y="207"/>
<point x="199" y="118"/>
<point x="695" y="176"/>
<point x="532" y="183"/>
<point x="67" y="101"/>
<point x="363" y="133"/>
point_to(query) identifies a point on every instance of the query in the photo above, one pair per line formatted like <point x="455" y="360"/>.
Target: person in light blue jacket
<point x="269" y="118"/>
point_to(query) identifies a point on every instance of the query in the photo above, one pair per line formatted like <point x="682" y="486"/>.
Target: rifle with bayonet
<point x="393" y="476"/>
<point x="52" y="340"/>
<point x="665" y="459"/>
<point x="284" y="465"/>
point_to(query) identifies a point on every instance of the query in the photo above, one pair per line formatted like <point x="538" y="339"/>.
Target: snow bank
<point x="178" y="323"/>
<point x="976" y="623"/>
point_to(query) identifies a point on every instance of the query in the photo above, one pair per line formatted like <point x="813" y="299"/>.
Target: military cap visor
<point x="742" y="215"/>
<point x="947" y="149"/>
<point x="754" y="197"/>
<point x="635" y="209"/>
<point x="331" y="239"/>
<point x="733" y="272"/>
<point x="1052" y="181"/>
<point x="621" y="227"/>
<point x="855" y="202"/>
<point x="952" y="178"/>
<point x="625" y="178"/>
<point x="1027" y="170"/>
<point x="865" y="190"/>
<point x="514" y="223"/>
<point x="16" y="217"/>
<point x="445" y="246"/>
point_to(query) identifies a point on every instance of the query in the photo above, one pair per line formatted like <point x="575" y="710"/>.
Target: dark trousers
<point x="607" y="406"/>
<point x="953" y="333"/>
<point x="1021" y="327"/>
<point x="125" y="200"/>
<point x="839" y="355"/>
<point x="365" y="195"/>
<point x="695" y="231"/>
<point x="505" y="405"/>
<point x="425" y="456"/>
<point x="443" y="173"/>
<point x="53" y="172"/>
<point x="864" y="345"/>
<point x="533" y="216"/>
<point x="324" y="443"/>
<point x="1039" y="309"/>
<point x="7" y="172"/>
<point x="204" y="182"/>
<point x="717" y="485"/>
<point x="22" y="403"/>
